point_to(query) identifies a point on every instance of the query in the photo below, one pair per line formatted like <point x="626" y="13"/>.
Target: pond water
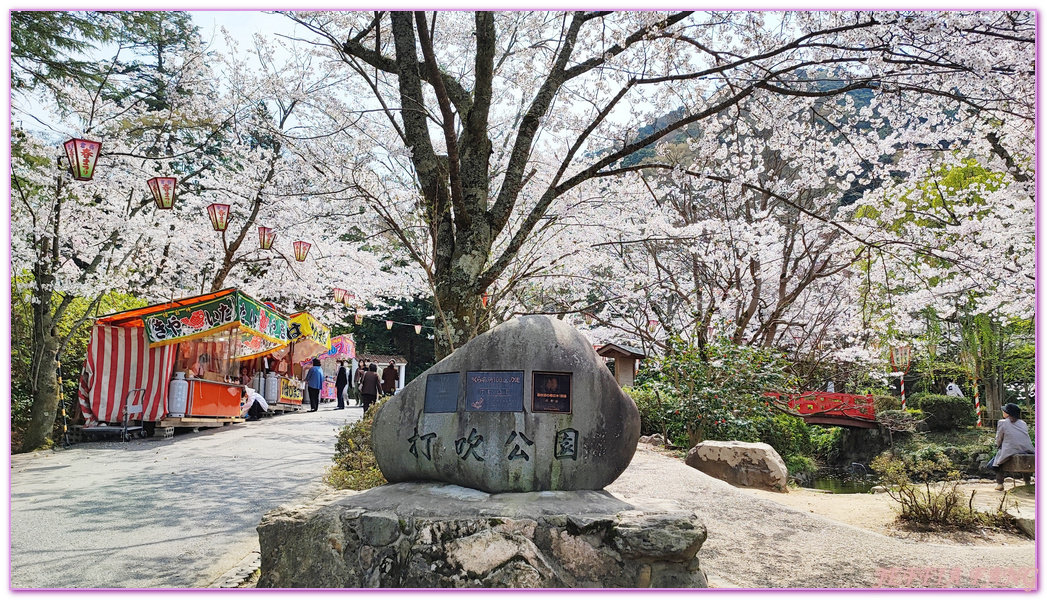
<point x="856" y="481"/>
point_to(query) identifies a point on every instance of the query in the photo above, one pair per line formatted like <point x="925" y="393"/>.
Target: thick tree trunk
<point x="455" y="323"/>
<point x="44" y="384"/>
<point x="994" y="397"/>
<point x="458" y="312"/>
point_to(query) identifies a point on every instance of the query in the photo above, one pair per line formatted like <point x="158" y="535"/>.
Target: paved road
<point x="161" y="513"/>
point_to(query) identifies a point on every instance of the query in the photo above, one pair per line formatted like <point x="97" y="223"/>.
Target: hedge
<point x="946" y="413"/>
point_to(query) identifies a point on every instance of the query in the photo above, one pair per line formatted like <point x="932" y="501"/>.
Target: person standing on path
<point x="389" y="377"/>
<point x="370" y="386"/>
<point x="340" y="383"/>
<point x="358" y="379"/>
<point x="314" y="380"/>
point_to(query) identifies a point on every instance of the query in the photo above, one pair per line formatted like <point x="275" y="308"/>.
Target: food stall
<point x="285" y="366"/>
<point x="342" y="348"/>
<point x="184" y="355"/>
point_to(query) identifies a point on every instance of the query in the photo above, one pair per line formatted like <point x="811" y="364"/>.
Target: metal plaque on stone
<point x="441" y="393"/>
<point x="551" y="392"/>
<point x="494" y="391"/>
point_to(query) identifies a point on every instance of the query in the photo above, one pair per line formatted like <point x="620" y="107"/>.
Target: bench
<point x="1020" y="464"/>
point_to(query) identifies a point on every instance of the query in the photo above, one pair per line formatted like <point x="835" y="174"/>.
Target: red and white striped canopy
<point x="119" y="359"/>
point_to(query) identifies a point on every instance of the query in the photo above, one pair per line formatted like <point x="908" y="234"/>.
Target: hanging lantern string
<point x="383" y="320"/>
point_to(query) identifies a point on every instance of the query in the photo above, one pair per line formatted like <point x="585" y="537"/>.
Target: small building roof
<point x="382" y="359"/>
<point x="620" y="349"/>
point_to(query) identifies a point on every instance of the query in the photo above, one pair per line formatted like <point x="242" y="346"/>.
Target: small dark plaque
<point x="441" y="393"/>
<point x="494" y="391"/>
<point x="551" y="392"/>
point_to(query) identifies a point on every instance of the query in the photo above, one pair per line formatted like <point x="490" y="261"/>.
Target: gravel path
<point x="756" y="543"/>
<point x="161" y="513"/>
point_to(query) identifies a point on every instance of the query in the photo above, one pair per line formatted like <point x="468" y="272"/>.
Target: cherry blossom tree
<point x="487" y="119"/>
<point x="80" y="239"/>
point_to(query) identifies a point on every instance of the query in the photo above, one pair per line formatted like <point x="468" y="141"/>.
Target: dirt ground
<point x="877" y="512"/>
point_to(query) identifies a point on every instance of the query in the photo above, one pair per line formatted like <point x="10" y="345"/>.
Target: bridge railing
<point x="828" y="404"/>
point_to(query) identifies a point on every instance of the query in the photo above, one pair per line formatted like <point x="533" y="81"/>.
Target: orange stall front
<point x="188" y="356"/>
<point x="213" y="399"/>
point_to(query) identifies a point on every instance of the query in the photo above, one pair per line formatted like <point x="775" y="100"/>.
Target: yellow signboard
<point x="309" y="337"/>
<point x="290" y="393"/>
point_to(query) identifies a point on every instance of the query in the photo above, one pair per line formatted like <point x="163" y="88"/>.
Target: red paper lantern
<point x="339" y="295"/>
<point x="418" y="329"/>
<point x="359" y="320"/>
<point x="652" y="325"/>
<point x="163" y="189"/>
<point x="485" y="298"/>
<point x="900" y="357"/>
<point x="82" y="155"/>
<point x="301" y="250"/>
<point x="388" y="324"/>
<point x="266" y="236"/>
<point x="219" y="214"/>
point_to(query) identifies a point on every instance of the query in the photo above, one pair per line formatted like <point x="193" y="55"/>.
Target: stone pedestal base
<point x="436" y="535"/>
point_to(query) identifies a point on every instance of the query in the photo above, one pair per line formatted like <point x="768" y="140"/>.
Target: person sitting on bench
<point x="1012" y="437"/>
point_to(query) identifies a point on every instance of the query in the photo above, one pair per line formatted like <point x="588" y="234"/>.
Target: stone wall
<point x="435" y="535"/>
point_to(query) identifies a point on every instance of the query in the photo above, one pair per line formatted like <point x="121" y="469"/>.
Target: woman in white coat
<point x="1012" y="437"/>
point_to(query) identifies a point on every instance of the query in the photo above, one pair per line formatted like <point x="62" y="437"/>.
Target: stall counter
<point x="213" y="398"/>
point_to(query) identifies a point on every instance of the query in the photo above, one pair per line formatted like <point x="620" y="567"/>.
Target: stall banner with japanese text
<point x="265" y="321"/>
<point x="305" y="325"/>
<point x="198" y="320"/>
<point x="189" y="322"/>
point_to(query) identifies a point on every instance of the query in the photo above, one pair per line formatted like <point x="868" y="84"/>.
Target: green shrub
<point x="928" y="504"/>
<point x="355" y="467"/>
<point x="659" y="412"/>
<point x="884" y="402"/>
<point x="719" y="388"/>
<point x="825" y="441"/>
<point x="801" y="465"/>
<point x="788" y="435"/>
<point x="947" y="413"/>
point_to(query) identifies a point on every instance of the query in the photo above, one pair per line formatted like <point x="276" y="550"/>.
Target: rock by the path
<point x="527" y="406"/>
<point x="878" y="489"/>
<point x="741" y="463"/>
<point x="654" y="439"/>
<point x="1026" y="521"/>
<point x="431" y="535"/>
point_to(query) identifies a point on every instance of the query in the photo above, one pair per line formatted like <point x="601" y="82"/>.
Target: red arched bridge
<point x="827" y="408"/>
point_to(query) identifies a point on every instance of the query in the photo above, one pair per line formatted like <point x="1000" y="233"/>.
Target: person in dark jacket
<point x="358" y="378"/>
<point x="389" y="377"/>
<point x="314" y="380"/>
<point x="370" y="386"/>
<point x="340" y="383"/>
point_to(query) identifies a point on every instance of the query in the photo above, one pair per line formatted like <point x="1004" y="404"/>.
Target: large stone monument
<point x="527" y="406"/>
<point x="497" y="458"/>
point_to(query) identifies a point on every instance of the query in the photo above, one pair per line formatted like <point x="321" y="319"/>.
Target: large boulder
<point x="741" y="463"/>
<point x="526" y="406"/>
<point x="438" y="535"/>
